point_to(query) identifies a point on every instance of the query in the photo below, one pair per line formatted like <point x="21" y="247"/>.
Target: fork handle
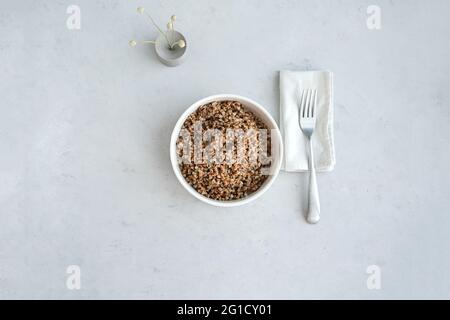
<point x="313" y="215"/>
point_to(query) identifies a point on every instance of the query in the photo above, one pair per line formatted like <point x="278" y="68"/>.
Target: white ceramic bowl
<point x="277" y="151"/>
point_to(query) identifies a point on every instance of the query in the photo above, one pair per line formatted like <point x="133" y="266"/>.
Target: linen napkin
<point x="295" y="143"/>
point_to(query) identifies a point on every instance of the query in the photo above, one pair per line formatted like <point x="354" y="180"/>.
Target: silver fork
<point x="307" y="121"/>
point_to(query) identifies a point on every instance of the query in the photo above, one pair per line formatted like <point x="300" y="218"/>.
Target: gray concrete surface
<point x="85" y="177"/>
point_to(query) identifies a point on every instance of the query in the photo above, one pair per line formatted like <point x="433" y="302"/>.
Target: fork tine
<point x="302" y="104"/>
<point x="308" y="103"/>
<point x="313" y="104"/>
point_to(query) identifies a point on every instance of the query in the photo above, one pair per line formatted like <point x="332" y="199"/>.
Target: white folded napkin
<point x="295" y="143"/>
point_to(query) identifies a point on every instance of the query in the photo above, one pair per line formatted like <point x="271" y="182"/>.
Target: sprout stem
<point x="159" y="29"/>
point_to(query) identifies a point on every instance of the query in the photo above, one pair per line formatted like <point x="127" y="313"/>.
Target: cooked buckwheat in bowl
<point x="226" y="150"/>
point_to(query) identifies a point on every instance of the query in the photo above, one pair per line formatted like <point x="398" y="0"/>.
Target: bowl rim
<point x="176" y="168"/>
